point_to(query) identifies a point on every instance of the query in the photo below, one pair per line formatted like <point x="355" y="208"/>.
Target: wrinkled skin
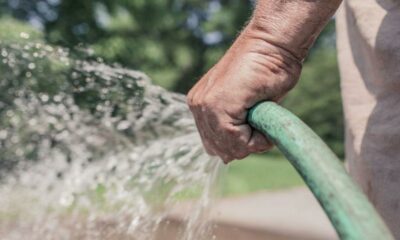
<point x="252" y="70"/>
<point x="264" y="63"/>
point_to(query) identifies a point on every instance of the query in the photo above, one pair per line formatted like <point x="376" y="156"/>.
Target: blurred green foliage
<point x="175" y="42"/>
<point x="316" y="99"/>
<point x="14" y="31"/>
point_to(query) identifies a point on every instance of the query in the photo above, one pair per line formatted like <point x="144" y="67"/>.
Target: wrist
<point x="278" y="68"/>
<point x="254" y="40"/>
<point x="291" y="25"/>
<point x="295" y="45"/>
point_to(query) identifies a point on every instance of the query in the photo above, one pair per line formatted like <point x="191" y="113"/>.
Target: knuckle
<point x="231" y="131"/>
<point x="194" y="100"/>
<point x="194" y="103"/>
<point x="208" y="99"/>
<point x="199" y="103"/>
<point x="190" y="97"/>
<point x="189" y="100"/>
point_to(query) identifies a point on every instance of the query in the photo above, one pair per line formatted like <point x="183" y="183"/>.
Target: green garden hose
<point x="349" y="210"/>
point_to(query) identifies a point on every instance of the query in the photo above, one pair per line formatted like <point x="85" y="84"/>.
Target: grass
<point x="258" y="172"/>
<point x="269" y="171"/>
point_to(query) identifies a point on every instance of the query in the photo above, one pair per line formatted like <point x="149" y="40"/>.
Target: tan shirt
<point x="369" y="59"/>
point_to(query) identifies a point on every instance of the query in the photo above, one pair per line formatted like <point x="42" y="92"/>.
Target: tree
<point x="174" y="41"/>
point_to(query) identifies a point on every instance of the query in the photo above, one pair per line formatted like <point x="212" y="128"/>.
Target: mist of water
<point x="94" y="151"/>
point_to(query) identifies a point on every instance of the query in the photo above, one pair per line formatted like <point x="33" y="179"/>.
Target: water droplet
<point x="123" y="125"/>
<point x="44" y="97"/>
<point x="57" y="98"/>
<point x="31" y="66"/>
<point x="3" y="134"/>
<point x="24" y="35"/>
<point x="28" y="74"/>
<point x="66" y="199"/>
<point x="4" y="53"/>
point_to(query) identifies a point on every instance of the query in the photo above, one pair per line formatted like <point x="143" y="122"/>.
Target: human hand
<point x="252" y="70"/>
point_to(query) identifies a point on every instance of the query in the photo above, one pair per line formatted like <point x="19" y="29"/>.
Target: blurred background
<point x="175" y="42"/>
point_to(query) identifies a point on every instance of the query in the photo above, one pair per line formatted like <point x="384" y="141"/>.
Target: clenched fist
<point x="252" y="70"/>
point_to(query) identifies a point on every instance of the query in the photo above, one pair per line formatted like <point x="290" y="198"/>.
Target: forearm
<point x="292" y="25"/>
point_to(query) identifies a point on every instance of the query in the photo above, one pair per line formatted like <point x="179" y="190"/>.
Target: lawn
<point x="270" y="171"/>
<point x="258" y="172"/>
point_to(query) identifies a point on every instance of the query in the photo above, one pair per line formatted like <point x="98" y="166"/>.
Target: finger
<point x="208" y="147"/>
<point x="215" y="139"/>
<point x="193" y="97"/>
<point x="213" y="133"/>
<point x="210" y="141"/>
<point x="231" y="140"/>
<point x="217" y="143"/>
<point x="206" y="144"/>
<point x="258" y="142"/>
<point x="215" y="149"/>
<point x="241" y="136"/>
